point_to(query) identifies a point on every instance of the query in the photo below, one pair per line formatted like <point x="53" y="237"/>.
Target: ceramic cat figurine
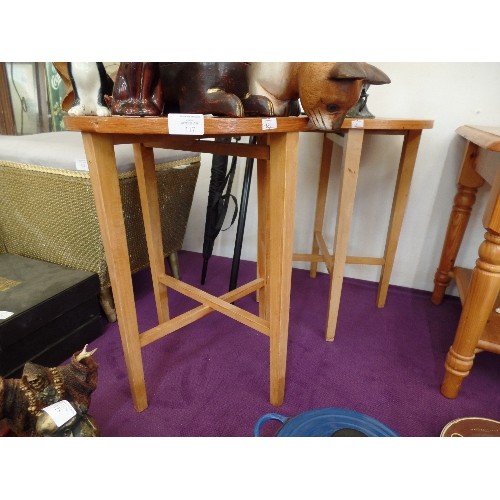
<point x="327" y="91"/>
<point x="91" y="83"/>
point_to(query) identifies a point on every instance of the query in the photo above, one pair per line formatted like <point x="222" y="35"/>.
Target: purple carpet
<point x="212" y="377"/>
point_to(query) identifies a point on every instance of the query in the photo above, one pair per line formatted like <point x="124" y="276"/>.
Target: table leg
<point x="262" y="229"/>
<point x="282" y="191"/>
<point x="468" y="183"/>
<point x="148" y="192"/>
<point x="103" y="172"/>
<point x="324" y="174"/>
<point x="400" y="200"/>
<point x="349" y="178"/>
<point x="477" y="307"/>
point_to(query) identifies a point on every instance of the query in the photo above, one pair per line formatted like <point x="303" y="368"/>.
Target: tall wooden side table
<point x="479" y="325"/>
<point x="276" y="154"/>
<point x="350" y="138"/>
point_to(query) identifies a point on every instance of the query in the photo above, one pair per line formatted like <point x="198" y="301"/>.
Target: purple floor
<point x="212" y="377"/>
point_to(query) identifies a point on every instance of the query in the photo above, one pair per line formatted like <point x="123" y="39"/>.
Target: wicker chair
<point x="48" y="213"/>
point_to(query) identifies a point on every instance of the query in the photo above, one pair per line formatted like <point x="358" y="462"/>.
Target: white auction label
<point x="269" y="123"/>
<point x="5" y="314"/>
<point x="82" y="165"/>
<point x="60" y="412"/>
<point x="186" y="124"/>
<point x="358" y="124"/>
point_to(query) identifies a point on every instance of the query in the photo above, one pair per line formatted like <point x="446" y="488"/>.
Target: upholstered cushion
<point x="65" y="150"/>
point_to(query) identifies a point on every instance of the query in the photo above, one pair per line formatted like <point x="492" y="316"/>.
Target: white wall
<point x="451" y="94"/>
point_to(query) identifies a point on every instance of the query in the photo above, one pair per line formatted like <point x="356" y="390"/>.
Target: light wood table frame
<point x="276" y="154"/>
<point x="350" y="138"/>
<point x="479" y="325"/>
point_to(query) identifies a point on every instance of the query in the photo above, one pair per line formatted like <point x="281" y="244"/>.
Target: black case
<point x="56" y="312"/>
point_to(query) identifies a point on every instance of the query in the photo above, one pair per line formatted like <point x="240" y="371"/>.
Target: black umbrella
<point x="218" y="202"/>
<point x="245" y="192"/>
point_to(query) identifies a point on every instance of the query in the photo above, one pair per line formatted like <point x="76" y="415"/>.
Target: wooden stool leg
<point x="400" y="200"/>
<point x="324" y="174"/>
<point x="99" y="150"/>
<point x="468" y="183"/>
<point x="146" y="176"/>
<point x="349" y="178"/>
<point x="479" y="302"/>
<point x="282" y="191"/>
<point x="262" y="230"/>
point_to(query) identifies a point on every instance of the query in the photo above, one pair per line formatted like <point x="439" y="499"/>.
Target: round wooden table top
<point x="233" y="126"/>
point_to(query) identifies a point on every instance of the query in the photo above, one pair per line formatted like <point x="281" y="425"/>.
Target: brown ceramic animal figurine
<point x="137" y="90"/>
<point x="215" y="88"/>
<point x="22" y="401"/>
<point x="327" y="91"/>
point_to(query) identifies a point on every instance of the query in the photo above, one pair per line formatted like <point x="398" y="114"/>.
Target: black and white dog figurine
<point x="90" y="83"/>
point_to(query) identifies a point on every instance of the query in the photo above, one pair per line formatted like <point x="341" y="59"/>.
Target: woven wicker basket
<point x="49" y="214"/>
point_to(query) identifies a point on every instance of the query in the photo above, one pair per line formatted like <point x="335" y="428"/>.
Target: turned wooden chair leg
<point x="459" y="219"/>
<point x="479" y="301"/>
<point x="468" y="183"/>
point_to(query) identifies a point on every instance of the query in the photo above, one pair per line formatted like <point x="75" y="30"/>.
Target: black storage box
<point x="47" y="312"/>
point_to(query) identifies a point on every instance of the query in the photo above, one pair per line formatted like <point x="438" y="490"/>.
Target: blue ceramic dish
<point x="326" y="422"/>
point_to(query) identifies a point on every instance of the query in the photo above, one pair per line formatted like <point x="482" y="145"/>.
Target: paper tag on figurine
<point x="269" y="123"/>
<point x="82" y="165"/>
<point x="186" y="124"/>
<point x="5" y="314"/>
<point x="60" y="412"/>
<point x="357" y="123"/>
